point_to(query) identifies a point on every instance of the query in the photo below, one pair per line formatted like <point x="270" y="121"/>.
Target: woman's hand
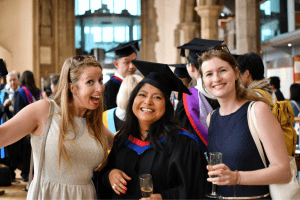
<point x="154" y="196"/>
<point x="225" y="175"/>
<point x="117" y="180"/>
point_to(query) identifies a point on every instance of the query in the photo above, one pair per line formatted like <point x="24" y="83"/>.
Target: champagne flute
<point x="146" y="185"/>
<point x="213" y="158"/>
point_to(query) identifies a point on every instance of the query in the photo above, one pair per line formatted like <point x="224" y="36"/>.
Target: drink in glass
<point x="146" y="185"/>
<point x="213" y="158"/>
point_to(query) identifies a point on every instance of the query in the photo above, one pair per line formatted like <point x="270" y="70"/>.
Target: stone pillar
<point x="190" y="29"/>
<point x="247" y="26"/>
<point x="54" y="36"/>
<point x="209" y="20"/>
<point x="231" y="35"/>
<point x="149" y="30"/>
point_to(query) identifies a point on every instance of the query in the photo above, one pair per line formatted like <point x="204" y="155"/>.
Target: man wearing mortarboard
<point x="124" y="53"/>
<point x="192" y="110"/>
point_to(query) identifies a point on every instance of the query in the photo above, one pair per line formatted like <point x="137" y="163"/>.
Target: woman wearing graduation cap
<point x="150" y="142"/>
<point x="192" y="110"/>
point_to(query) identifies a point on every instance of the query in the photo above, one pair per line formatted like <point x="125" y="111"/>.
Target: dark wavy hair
<point x="295" y="92"/>
<point x="27" y="80"/>
<point x="253" y="63"/>
<point x="166" y="125"/>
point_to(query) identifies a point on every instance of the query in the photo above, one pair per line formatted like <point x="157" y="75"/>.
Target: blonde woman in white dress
<point x="77" y="142"/>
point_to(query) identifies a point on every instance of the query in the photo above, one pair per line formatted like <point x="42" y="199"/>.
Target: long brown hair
<point x="241" y="92"/>
<point x="70" y="73"/>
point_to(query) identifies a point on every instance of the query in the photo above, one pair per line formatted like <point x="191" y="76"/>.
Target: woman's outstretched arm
<point x="31" y="119"/>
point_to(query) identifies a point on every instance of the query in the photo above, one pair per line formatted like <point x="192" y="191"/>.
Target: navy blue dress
<point x="231" y="136"/>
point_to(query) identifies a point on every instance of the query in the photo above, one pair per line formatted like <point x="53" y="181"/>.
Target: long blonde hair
<point x="70" y="73"/>
<point x="241" y="92"/>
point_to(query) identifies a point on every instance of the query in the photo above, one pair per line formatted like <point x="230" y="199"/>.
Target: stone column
<point x="209" y="20"/>
<point x="247" y="26"/>
<point x="149" y="30"/>
<point x="54" y="36"/>
<point x="231" y="34"/>
<point x="190" y="29"/>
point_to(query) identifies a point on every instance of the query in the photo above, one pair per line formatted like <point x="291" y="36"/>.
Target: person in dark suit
<point x="275" y="84"/>
<point x="124" y="54"/>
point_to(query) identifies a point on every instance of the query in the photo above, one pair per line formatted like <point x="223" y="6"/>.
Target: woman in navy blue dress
<point x="242" y="173"/>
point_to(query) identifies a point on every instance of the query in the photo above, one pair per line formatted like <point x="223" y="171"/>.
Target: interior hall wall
<point x="168" y="17"/>
<point x="16" y="34"/>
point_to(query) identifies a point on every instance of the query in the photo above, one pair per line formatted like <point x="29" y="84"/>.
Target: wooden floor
<point x="15" y="191"/>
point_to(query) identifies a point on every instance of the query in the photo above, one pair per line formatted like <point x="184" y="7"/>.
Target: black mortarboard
<point x="180" y="71"/>
<point x="126" y="49"/>
<point x="3" y="70"/>
<point x="160" y="76"/>
<point x="195" y="46"/>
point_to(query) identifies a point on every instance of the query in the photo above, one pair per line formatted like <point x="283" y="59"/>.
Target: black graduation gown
<point x="4" y="111"/>
<point x="14" y="150"/>
<point x="185" y="123"/>
<point x="25" y="141"/>
<point x="5" y="114"/>
<point x="110" y="94"/>
<point x="180" y="174"/>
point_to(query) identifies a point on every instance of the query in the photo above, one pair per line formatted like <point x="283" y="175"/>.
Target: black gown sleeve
<point x="4" y="111"/>
<point x="25" y="149"/>
<point x="187" y="170"/>
<point x="182" y="117"/>
<point x="110" y="94"/>
<point x="103" y="187"/>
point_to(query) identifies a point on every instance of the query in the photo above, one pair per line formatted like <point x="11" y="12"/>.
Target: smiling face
<point x="219" y="77"/>
<point x="149" y="105"/>
<point x="87" y="92"/>
<point x="125" y="66"/>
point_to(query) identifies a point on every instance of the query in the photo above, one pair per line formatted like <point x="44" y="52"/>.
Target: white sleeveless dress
<point x="66" y="182"/>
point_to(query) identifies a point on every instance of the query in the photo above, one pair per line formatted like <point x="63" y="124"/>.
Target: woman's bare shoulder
<point x="42" y="105"/>
<point x="261" y="108"/>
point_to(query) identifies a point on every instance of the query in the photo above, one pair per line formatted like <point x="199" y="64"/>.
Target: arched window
<point x="103" y="24"/>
